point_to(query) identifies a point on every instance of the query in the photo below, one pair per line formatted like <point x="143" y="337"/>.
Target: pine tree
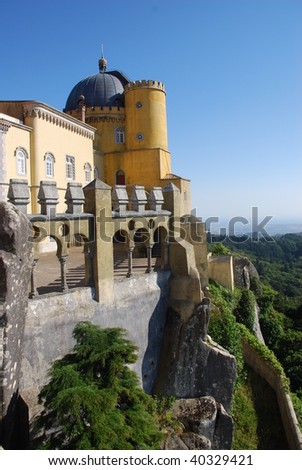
<point x="93" y="400"/>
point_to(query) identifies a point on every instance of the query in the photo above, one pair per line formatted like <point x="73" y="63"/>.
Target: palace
<point x="111" y="129"/>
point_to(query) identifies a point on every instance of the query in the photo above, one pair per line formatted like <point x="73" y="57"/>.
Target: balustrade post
<point x="130" y="262"/>
<point x="149" y="256"/>
<point x="33" y="290"/>
<point x="64" y="286"/>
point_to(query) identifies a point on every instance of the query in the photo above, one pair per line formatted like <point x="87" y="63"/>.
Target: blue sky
<point x="232" y="71"/>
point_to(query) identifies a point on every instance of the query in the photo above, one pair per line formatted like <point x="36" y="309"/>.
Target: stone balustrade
<point x="140" y="202"/>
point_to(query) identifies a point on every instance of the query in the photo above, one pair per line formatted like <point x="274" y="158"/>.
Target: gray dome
<point x="102" y="89"/>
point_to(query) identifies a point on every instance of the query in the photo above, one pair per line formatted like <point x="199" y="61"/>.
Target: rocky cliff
<point x="191" y="366"/>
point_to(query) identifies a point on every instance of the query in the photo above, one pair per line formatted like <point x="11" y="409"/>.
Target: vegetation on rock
<point x="279" y="296"/>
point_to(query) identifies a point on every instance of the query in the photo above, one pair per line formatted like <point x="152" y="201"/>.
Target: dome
<point x="103" y="89"/>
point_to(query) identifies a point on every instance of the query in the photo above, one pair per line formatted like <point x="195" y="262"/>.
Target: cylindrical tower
<point x="146" y="121"/>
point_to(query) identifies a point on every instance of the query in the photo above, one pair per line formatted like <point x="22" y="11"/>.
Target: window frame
<point x="49" y="163"/>
<point x="120" y="135"/>
<point x="87" y="172"/>
<point x="21" y="157"/>
<point x="70" y="167"/>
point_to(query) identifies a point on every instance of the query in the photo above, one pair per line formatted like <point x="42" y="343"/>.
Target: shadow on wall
<point x="150" y="362"/>
<point x="17" y="421"/>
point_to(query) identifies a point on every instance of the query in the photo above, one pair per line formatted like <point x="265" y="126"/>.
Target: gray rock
<point x="174" y="442"/>
<point x="195" y="442"/>
<point x="198" y="415"/>
<point x="223" y="436"/>
<point x="187" y="441"/>
<point x="244" y="270"/>
<point x="191" y="367"/>
<point x="15" y="272"/>
<point x="206" y="423"/>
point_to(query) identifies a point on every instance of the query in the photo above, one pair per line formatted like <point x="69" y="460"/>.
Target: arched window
<point x="120" y="135"/>
<point x="87" y="169"/>
<point x="21" y="155"/>
<point x="49" y="165"/>
<point x="70" y="167"/>
<point x="120" y="177"/>
<point x="95" y="173"/>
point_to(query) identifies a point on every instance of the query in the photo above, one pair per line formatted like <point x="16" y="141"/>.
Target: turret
<point x="145" y="103"/>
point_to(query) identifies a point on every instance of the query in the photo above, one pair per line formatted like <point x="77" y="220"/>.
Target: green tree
<point x="245" y="310"/>
<point x="93" y="400"/>
<point x="218" y="249"/>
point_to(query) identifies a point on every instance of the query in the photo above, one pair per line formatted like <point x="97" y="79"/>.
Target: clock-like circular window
<point x="139" y="104"/>
<point x="139" y="136"/>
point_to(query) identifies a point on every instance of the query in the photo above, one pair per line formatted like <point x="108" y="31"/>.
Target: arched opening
<point x="120" y="253"/>
<point x="120" y="178"/>
<point x="140" y="252"/>
<point x="48" y="269"/>
<point x="160" y="248"/>
<point x="79" y="269"/>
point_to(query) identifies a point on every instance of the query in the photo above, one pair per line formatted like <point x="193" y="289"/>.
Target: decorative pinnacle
<point x="102" y="62"/>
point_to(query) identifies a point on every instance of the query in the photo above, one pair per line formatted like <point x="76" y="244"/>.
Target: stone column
<point x="130" y="264"/>
<point x="89" y="267"/>
<point x="98" y="202"/>
<point x="33" y="290"/>
<point x="64" y="286"/>
<point x="149" y="256"/>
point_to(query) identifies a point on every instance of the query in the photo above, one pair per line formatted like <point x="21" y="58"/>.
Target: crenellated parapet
<point x="145" y="84"/>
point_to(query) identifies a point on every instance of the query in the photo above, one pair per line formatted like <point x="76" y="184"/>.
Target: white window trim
<point x="21" y="151"/>
<point x="87" y="170"/>
<point x="119" y="135"/>
<point x="70" y="163"/>
<point x="49" y="163"/>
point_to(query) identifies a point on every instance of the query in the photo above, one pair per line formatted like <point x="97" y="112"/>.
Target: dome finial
<point x="102" y="62"/>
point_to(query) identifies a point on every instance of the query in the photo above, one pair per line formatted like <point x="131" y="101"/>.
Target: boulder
<point x="205" y="423"/>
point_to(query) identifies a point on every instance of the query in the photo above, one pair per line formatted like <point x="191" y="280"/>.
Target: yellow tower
<point x="145" y="104"/>
<point x="131" y="141"/>
<point x="145" y="158"/>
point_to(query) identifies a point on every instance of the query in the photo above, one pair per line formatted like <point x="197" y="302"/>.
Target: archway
<point x="160" y="248"/>
<point x="47" y="269"/>
<point x="79" y="268"/>
<point x="120" y="253"/>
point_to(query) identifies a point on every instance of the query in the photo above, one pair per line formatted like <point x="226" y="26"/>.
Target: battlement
<point x="145" y="84"/>
<point x="105" y="109"/>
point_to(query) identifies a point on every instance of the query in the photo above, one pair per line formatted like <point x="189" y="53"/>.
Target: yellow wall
<point x="149" y="119"/>
<point x="140" y="166"/>
<point x="17" y="137"/>
<point x="48" y="136"/>
<point x="184" y="187"/>
<point x="47" y="130"/>
<point x="221" y="270"/>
